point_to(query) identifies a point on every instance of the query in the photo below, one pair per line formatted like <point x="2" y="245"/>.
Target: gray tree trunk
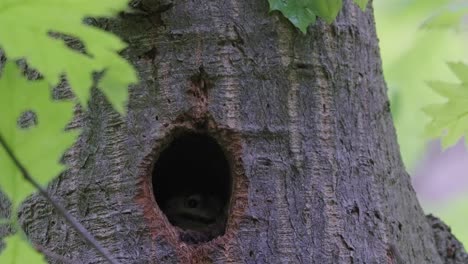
<point x="315" y="174"/>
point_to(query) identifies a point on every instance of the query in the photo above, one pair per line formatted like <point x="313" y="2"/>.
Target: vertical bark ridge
<point x="327" y="136"/>
<point x="286" y="233"/>
<point x="164" y="71"/>
<point x="228" y="80"/>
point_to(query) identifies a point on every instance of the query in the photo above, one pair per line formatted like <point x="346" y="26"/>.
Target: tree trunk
<point x="291" y="133"/>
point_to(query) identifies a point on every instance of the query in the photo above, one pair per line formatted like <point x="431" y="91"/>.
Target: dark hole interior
<point x="192" y="186"/>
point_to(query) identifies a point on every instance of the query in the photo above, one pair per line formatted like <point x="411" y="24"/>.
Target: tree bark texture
<point x="305" y="124"/>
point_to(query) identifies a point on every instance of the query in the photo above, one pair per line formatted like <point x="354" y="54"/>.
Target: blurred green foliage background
<point x="413" y="55"/>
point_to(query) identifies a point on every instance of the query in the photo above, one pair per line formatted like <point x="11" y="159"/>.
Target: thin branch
<point x="58" y="207"/>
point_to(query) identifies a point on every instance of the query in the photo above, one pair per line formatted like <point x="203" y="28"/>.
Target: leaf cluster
<point x="449" y="17"/>
<point x="450" y="119"/>
<point x="303" y="13"/>
<point x="33" y="30"/>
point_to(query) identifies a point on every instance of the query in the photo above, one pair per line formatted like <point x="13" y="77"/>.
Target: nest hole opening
<point x="192" y="186"/>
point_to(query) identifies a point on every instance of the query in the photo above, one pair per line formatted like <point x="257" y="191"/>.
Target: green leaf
<point x="114" y="83"/>
<point x="19" y="251"/>
<point x="303" y="13"/>
<point x="327" y="9"/>
<point x="299" y="12"/>
<point x="460" y="70"/>
<point x="38" y="148"/>
<point x="450" y="120"/>
<point x="362" y="4"/>
<point x="50" y="55"/>
<point x="450" y="17"/>
<point x="400" y="62"/>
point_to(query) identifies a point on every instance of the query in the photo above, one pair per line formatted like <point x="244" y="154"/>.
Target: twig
<point x="58" y="207"/>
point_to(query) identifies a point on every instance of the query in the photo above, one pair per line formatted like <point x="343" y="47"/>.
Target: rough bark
<point x="449" y="248"/>
<point x="305" y="124"/>
<point x="4" y="214"/>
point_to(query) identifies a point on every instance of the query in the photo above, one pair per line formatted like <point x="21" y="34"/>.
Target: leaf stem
<point x="58" y="207"/>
